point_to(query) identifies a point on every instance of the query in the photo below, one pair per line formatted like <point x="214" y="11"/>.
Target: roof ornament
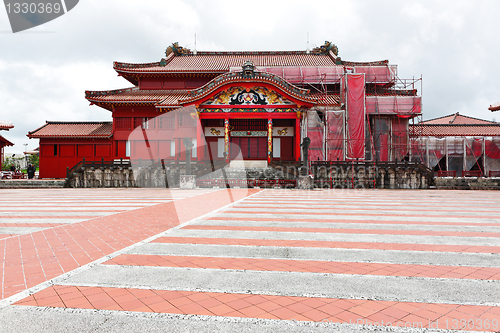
<point x="325" y="48"/>
<point x="177" y="50"/>
<point x="248" y="70"/>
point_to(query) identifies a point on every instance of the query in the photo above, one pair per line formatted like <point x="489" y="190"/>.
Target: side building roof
<point x="456" y="125"/>
<point x="6" y="125"/>
<point x="458" y="119"/>
<point x="5" y="142"/>
<point x="73" y="130"/>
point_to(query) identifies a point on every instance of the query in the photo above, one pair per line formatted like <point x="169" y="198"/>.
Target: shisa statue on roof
<point x="177" y="49"/>
<point x="324" y="49"/>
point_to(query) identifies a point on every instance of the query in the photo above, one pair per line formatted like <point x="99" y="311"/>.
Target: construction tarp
<point x="402" y="106"/>
<point x="315" y="132"/>
<point x="356" y="115"/>
<point x="492" y="152"/>
<point x="399" y="138"/>
<point x="377" y="74"/>
<point x="335" y="135"/>
<point x="303" y="74"/>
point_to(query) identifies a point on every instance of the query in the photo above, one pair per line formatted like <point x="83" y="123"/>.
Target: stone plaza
<point x="249" y="260"/>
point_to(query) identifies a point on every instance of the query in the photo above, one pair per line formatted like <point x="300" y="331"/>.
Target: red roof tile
<point x="455" y="130"/>
<point x="323" y="99"/>
<point x="221" y="62"/>
<point x="172" y="99"/>
<point x="494" y="107"/>
<point x="6" y="125"/>
<point x="5" y="142"/>
<point x="458" y="119"/>
<point x="231" y="77"/>
<point x="132" y="95"/>
<point x="73" y="130"/>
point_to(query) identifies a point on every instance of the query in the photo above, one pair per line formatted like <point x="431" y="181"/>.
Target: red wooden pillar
<point x="200" y="146"/>
<point x="269" y="140"/>
<point x="226" y="139"/>
<point x="297" y="138"/>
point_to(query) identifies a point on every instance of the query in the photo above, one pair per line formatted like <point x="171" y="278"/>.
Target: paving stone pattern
<point x="402" y="259"/>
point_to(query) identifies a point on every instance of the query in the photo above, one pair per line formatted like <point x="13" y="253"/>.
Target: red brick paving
<point x="442" y="316"/>
<point x="311" y="266"/>
<point x="35" y="258"/>
<point x="40" y="256"/>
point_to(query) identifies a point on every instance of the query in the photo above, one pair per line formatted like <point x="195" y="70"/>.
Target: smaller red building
<point x="458" y="145"/>
<point x="63" y="144"/>
<point x="4" y="126"/>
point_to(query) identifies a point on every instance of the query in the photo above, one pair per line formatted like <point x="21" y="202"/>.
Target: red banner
<point x="356" y="115"/>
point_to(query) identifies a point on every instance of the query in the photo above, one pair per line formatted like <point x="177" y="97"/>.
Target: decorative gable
<point x="240" y="96"/>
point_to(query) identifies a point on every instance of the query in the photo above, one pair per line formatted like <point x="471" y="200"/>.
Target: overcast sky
<point x="45" y="71"/>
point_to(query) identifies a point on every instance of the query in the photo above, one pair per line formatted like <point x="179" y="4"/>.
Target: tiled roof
<point x="458" y="119"/>
<point x="222" y="61"/>
<point x="323" y="99"/>
<point x="131" y="95"/>
<point x="456" y="130"/>
<point x="6" y="125"/>
<point x="258" y="77"/>
<point x="5" y="142"/>
<point x="172" y="99"/>
<point x="494" y="107"/>
<point x="73" y="130"/>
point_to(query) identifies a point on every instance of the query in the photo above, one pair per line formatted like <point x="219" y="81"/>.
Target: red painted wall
<point x="57" y="154"/>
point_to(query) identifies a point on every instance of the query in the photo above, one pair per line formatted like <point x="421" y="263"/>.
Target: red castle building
<point x="255" y="105"/>
<point x="4" y="126"/>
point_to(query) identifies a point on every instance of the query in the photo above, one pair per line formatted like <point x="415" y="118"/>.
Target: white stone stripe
<point x="321" y="254"/>
<point x="336" y="217"/>
<point x="310" y="236"/>
<point x="364" y="226"/>
<point x="292" y="209"/>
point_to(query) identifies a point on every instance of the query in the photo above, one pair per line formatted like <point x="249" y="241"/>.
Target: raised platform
<point x="32" y="183"/>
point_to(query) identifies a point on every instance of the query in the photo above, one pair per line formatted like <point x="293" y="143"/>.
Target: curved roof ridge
<point x="294" y="91"/>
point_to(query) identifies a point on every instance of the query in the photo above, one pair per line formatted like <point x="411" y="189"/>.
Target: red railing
<point x="494" y="174"/>
<point x="447" y="173"/>
<point x="471" y="173"/>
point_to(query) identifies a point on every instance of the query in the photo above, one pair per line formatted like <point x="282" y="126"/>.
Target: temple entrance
<point x="254" y="148"/>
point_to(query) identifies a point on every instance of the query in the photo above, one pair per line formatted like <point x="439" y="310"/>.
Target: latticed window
<point x="185" y="120"/>
<point x="249" y="124"/>
<point x="166" y="122"/>
<point x="137" y="122"/>
<point x="122" y="123"/>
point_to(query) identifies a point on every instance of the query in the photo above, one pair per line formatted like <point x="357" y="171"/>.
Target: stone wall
<point x="397" y="176"/>
<point x="402" y="176"/>
<point x="156" y="175"/>
<point x="32" y="183"/>
<point x="467" y="183"/>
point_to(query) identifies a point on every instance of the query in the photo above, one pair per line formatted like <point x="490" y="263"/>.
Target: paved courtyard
<point x="249" y="260"/>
